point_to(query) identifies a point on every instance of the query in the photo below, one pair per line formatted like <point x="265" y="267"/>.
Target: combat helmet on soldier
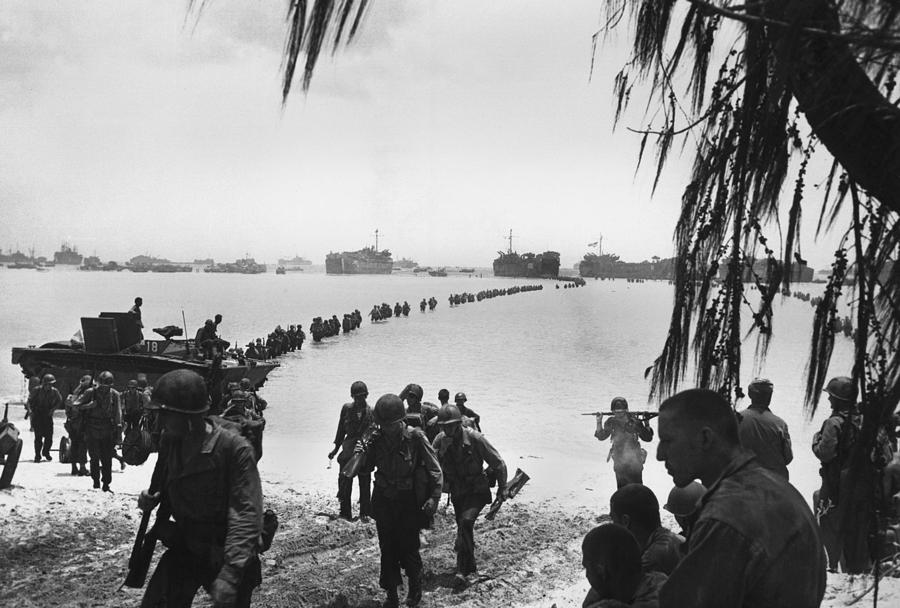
<point x="48" y="379"/>
<point x="449" y="414"/>
<point x="359" y="389"/>
<point x="841" y="389"/>
<point x="180" y="391"/>
<point x="389" y="409"/>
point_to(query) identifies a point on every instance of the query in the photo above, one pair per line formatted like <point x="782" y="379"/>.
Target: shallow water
<point x="529" y="363"/>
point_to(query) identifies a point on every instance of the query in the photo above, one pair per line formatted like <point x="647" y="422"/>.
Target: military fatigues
<point x="842" y="508"/>
<point x="133" y="402"/>
<point x="464" y="478"/>
<point x="215" y="498"/>
<point x="767" y="436"/>
<point x="352" y="423"/>
<point x="102" y="418"/>
<point x="626" y="452"/>
<point x="405" y="477"/>
<point x="75" y="428"/>
<point x="662" y="551"/>
<point x="42" y="404"/>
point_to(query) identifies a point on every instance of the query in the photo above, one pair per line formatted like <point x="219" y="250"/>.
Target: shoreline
<point x="65" y="544"/>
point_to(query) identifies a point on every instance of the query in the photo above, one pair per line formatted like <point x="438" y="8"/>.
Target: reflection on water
<point x="530" y="363"/>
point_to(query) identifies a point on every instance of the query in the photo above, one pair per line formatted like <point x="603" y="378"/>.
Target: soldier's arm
<point x="245" y="513"/>
<point x="432" y="466"/>
<point x="85" y="401"/>
<point x="787" y="451"/>
<point x="645" y="431"/>
<point x="339" y="434"/>
<point x="825" y="441"/>
<point x="491" y="456"/>
<point x="604" y="429"/>
<point x="717" y="553"/>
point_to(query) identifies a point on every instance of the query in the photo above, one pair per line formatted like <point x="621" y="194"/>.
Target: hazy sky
<point x="130" y="127"/>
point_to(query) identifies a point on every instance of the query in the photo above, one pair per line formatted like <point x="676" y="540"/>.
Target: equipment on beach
<point x="512" y="489"/>
<point x="644" y="414"/>
<point x="351" y="469"/>
<point x="144" y="545"/>
<point x="10" y="449"/>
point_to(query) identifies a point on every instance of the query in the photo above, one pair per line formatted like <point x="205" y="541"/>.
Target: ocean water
<point x="529" y="363"/>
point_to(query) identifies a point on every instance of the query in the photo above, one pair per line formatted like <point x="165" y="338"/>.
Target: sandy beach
<point x="65" y="544"/>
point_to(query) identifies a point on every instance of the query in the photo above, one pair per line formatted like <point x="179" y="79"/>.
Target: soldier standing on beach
<point x="355" y="419"/>
<point x="764" y="433"/>
<point x="206" y="480"/>
<point x="844" y="528"/>
<point x="101" y="412"/>
<point x="462" y="454"/>
<point x="626" y="452"/>
<point x="41" y="405"/>
<point x="75" y="428"/>
<point x="408" y="483"/>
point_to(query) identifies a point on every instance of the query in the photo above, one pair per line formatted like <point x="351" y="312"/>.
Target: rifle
<point x="512" y="489"/>
<point x="144" y="546"/>
<point x="644" y="414"/>
<point x="351" y="469"/>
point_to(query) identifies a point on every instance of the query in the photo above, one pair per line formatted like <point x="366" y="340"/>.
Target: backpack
<point x="133" y="402"/>
<point x="136" y="445"/>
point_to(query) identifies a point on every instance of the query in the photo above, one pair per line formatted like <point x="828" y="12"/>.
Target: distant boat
<point x="467" y="270"/>
<point x="406" y="264"/>
<point x="440" y="272"/>
<point x="368" y="260"/>
<point x="294" y="261"/>
<point x="243" y="266"/>
<point x="67" y="255"/>
<point x="280" y="270"/>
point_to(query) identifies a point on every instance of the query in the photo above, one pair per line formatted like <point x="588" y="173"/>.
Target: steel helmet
<point x="132" y="383"/>
<point x="48" y="379"/>
<point x="841" y="388"/>
<point x="618" y="403"/>
<point x="683" y="501"/>
<point x="460" y="398"/>
<point x="412" y="390"/>
<point x="245" y="384"/>
<point x="181" y="391"/>
<point x="389" y="409"/>
<point x="359" y="389"/>
<point x="105" y="378"/>
<point x="448" y="414"/>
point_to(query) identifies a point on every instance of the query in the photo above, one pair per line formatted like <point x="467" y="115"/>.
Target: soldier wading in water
<point x="408" y="483"/>
<point x="206" y="480"/>
<point x="462" y="453"/>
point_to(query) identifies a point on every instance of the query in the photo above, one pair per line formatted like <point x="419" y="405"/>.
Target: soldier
<point x="634" y="506"/>
<point x="133" y="402"/>
<point x="405" y="308"/>
<point x="135" y="312"/>
<point x="207" y="481"/>
<point x="418" y="414"/>
<point x="258" y="404"/>
<point x="408" y="483"/>
<point x="626" y="452"/>
<point x="75" y="428"/>
<point x="611" y="558"/>
<point x="764" y="433"/>
<point x="684" y="504"/>
<point x="844" y="537"/>
<point x="422" y="305"/>
<point x="460" y="400"/>
<point x="355" y="419"/>
<point x="443" y="397"/>
<point x="41" y="405"/>
<point x="462" y="453"/>
<point x="767" y="555"/>
<point x="101" y="411"/>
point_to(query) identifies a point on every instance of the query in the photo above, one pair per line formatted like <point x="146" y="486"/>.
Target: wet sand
<point x="65" y="544"/>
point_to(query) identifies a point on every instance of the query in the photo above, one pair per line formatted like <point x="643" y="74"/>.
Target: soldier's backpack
<point x="136" y="445"/>
<point x="133" y="400"/>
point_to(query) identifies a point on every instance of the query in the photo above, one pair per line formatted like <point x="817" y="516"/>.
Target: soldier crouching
<point x="208" y="483"/>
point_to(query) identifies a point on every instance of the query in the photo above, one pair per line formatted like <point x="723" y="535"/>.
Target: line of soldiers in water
<point x="456" y="299"/>
<point x="383" y="311"/>
<point x="319" y="328"/>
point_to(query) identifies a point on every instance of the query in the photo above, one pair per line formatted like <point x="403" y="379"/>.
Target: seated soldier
<point x="611" y="558"/>
<point x="635" y="507"/>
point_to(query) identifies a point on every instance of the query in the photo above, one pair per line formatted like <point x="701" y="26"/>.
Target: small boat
<point x="440" y="272"/>
<point x="280" y="270"/>
<point x="467" y="270"/>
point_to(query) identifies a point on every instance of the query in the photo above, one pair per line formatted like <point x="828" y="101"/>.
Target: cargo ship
<point x="67" y="255"/>
<point x="368" y="260"/>
<point x="243" y="266"/>
<point x="294" y="261"/>
<point x="513" y="264"/>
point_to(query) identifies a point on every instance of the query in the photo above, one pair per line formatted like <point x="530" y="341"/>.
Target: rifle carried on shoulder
<point x="512" y="489"/>
<point x="645" y="414"/>
<point x="351" y="469"/>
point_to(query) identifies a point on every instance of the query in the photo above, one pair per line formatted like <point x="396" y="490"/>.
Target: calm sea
<point x="530" y="363"/>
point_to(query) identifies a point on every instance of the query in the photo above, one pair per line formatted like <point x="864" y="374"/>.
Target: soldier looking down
<point x="354" y="421"/>
<point x="101" y="412"/>
<point x="205" y="480"/>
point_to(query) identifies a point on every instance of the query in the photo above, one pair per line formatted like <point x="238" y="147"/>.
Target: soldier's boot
<point x="414" y="597"/>
<point x="96" y="484"/>
<point x="392" y="600"/>
<point x="74" y="469"/>
<point x="83" y="472"/>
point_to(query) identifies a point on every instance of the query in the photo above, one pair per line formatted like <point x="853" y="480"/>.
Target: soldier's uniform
<point x="42" y="403"/>
<point x="464" y="478"/>
<point x="626" y="453"/>
<point x="214" y="496"/>
<point x="75" y="428"/>
<point x="101" y="413"/>
<point x="352" y="423"/>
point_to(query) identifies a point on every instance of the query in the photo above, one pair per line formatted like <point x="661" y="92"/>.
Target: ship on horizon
<point x="533" y="265"/>
<point x="294" y="261"/>
<point x="245" y="265"/>
<point x="368" y="260"/>
<point x="67" y="255"/>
